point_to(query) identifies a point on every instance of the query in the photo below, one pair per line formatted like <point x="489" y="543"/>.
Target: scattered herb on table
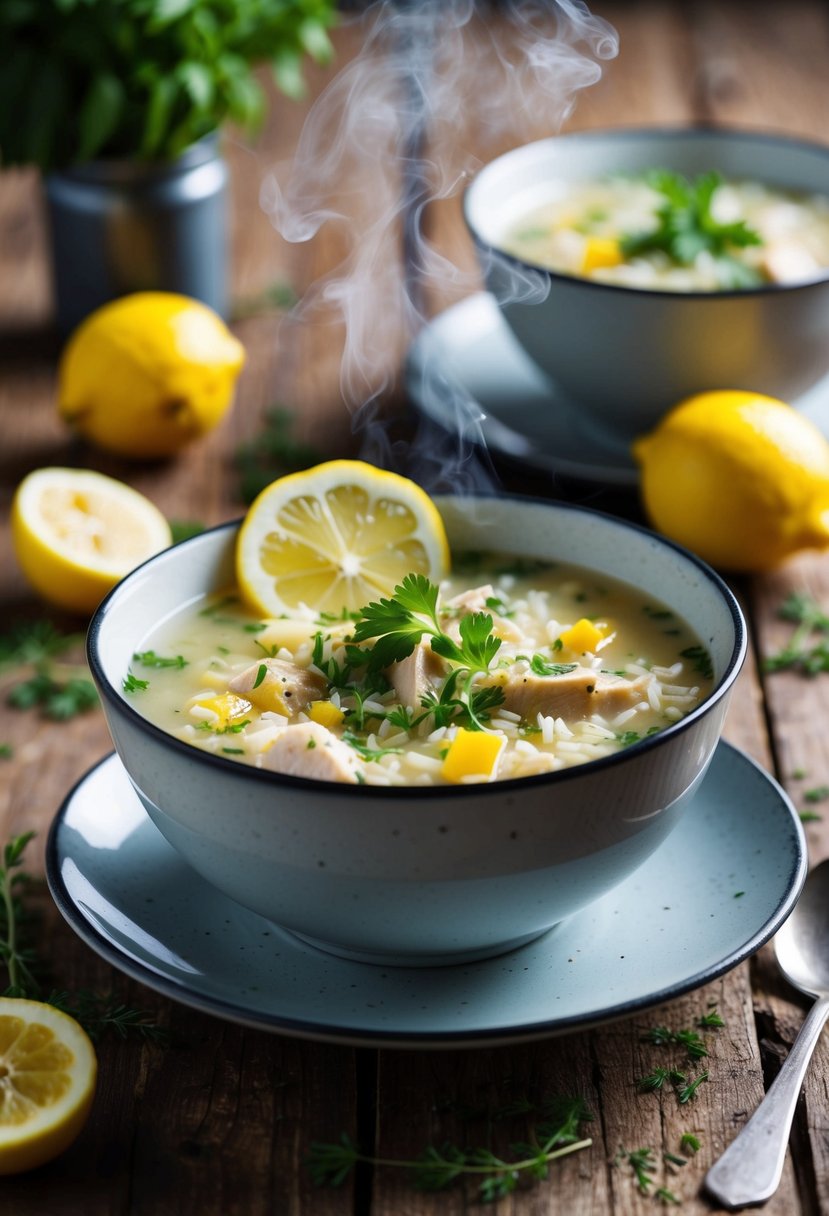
<point x="686" y="226"/>
<point x="271" y="453"/>
<point x="96" y="1013"/>
<point x="184" y="529"/>
<point x="555" y="1135"/>
<point x="807" y="650"/>
<point x="279" y="296"/>
<point x="6" y="751"/>
<point x="59" y="689"/>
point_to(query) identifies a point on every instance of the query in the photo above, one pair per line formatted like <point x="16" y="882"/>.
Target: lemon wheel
<point x="335" y="537"/>
<point x="48" y="1072"/>
<point x="76" y="533"/>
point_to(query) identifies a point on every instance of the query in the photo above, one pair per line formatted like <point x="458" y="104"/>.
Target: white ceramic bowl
<point x="623" y="355"/>
<point x="413" y="876"/>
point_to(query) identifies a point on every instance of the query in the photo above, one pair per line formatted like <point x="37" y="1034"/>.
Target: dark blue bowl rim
<point x="698" y="131"/>
<point x="424" y="793"/>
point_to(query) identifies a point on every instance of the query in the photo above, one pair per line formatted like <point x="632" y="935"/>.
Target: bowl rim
<point x="401" y="793"/>
<point x="675" y="131"/>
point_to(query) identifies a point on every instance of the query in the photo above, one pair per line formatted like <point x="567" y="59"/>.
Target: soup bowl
<point x="623" y="356"/>
<point x="413" y="875"/>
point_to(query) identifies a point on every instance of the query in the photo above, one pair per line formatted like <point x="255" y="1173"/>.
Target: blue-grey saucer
<point x="713" y="893"/>
<point x="467" y="372"/>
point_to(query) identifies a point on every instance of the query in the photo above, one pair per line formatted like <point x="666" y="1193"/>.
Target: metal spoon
<point x="749" y="1170"/>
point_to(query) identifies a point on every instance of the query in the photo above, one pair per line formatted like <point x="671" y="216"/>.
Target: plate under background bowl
<point x="467" y="373"/>
<point x="716" y="890"/>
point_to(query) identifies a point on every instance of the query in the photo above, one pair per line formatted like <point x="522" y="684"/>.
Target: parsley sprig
<point x="686" y="227"/>
<point x="396" y="625"/>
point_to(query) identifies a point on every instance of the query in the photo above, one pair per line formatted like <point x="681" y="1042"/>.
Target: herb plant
<point x="686" y="227"/>
<point x="143" y="79"/>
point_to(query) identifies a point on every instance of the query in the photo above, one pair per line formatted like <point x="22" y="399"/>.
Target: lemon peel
<point x="148" y="373"/>
<point x="48" y="1074"/>
<point x="76" y="533"/>
<point x="740" y="478"/>
<point x="336" y="536"/>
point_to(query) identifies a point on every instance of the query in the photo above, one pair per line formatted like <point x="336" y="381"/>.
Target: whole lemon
<point x="739" y="478"/>
<point x="147" y="373"/>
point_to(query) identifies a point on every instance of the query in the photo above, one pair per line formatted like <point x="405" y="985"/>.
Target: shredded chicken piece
<point x="573" y="696"/>
<point x="285" y="687"/>
<point x="306" y="749"/>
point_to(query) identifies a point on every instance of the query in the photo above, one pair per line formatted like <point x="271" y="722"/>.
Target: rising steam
<point x="436" y="86"/>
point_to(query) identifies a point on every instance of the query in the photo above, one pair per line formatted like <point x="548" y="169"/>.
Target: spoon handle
<point x="749" y="1170"/>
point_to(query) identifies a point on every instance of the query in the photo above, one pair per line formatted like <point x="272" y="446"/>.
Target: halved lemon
<point x="76" y="533"/>
<point x="48" y="1072"/>
<point x="335" y="537"/>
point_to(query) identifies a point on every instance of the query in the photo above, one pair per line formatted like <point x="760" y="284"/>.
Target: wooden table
<point x="218" y="1121"/>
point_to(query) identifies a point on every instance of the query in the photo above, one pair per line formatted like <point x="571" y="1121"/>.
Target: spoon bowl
<point x="749" y="1170"/>
<point x="801" y="945"/>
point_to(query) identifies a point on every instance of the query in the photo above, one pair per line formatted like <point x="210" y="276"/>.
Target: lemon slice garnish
<point x="335" y="537"/>
<point x="76" y="533"/>
<point x="47" y="1082"/>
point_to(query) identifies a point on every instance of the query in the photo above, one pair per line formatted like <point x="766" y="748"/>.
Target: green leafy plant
<point x="143" y="78"/>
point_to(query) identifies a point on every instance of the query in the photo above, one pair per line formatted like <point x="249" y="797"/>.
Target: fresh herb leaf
<point x="149" y="658"/>
<point x="641" y="1161"/>
<point x="700" y="660"/>
<point x="131" y="683"/>
<point x="272" y="453"/>
<point x="686" y="227"/>
<point x="96" y="1014"/>
<point x="689" y="1141"/>
<point x="6" y="751"/>
<point x="543" y="667"/>
<point x="260" y="674"/>
<point x="183" y="529"/>
<point x="803" y="652"/>
<point x="435" y="1169"/>
<point x="819" y="794"/>
<point x="688" y="1092"/>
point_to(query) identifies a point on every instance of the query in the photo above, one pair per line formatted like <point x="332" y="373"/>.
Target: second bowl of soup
<point x="449" y="805"/>
<point x="638" y="267"/>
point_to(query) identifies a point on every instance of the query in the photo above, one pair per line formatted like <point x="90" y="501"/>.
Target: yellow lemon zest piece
<point x="583" y="636"/>
<point x="600" y="251"/>
<point x="229" y="709"/>
<point x="472" y="753"/>
<point x="326" y="713"/>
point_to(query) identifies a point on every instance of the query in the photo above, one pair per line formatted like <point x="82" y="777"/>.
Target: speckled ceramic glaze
<point x="424" y="875"/>
<point x="625" y="355"/>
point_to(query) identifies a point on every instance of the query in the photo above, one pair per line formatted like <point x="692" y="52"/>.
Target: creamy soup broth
<point x="583" y="228"/>
<point x="585" y="667"/>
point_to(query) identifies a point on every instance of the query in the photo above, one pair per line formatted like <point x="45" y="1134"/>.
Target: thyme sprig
<point x="435" y="1169"/>
<point x="807" y="650"/>
<point x="97" y="1014"/>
